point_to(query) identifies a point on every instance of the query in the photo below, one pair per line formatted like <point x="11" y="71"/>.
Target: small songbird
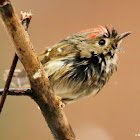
<point x="81" y="64"/>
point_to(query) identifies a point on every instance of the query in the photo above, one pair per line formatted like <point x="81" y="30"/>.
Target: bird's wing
<point x="59" y="50"/>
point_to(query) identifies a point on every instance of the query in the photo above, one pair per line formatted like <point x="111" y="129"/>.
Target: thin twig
<point x="8" y="81"/>
<point x="25" y="20"/>
<point x="18" y="92"/>
<point x="43" y="93"/>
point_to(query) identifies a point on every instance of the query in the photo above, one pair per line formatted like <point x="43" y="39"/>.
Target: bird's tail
<point x="19" y="78"/>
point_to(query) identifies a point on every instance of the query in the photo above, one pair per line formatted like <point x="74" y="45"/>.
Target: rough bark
<point x="43" y="93"/>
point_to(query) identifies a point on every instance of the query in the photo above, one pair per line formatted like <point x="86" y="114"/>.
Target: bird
<point x="79" y="65"/>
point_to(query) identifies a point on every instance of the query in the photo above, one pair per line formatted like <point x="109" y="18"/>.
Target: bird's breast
<point x="72" y="80"/>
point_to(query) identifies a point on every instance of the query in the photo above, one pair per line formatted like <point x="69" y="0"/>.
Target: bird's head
<point x="102" y="40"/>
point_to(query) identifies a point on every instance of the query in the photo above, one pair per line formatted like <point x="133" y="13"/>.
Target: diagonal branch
<point x="8" y="81"/>
<point x="25" y="20"/>
<point x="42" y="91"/>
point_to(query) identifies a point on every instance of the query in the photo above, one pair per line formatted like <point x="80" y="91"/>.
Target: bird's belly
<point x="79" y="82"/>
<point x="74" y="91"/>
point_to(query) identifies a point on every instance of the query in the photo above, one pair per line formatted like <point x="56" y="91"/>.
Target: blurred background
<point x="114" y="113"/>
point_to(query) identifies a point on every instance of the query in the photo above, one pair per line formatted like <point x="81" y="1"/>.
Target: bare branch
<point x="42" y="92"/>
<point x="8" y="81"/>
<point x="25" y="20"/>
<point x="18" y="92"/>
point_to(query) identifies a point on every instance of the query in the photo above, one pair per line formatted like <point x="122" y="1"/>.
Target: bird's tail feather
<point x="19" y="78"/>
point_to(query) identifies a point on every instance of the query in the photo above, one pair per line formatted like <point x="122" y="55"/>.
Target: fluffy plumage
<point x="82" y="63"/>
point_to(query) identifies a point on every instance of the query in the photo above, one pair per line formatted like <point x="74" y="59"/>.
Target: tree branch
<point x="8" y="81"/>
<point x="42" y="91"/>
<point x="25" y="20"/>
<point x="18" y="92"/>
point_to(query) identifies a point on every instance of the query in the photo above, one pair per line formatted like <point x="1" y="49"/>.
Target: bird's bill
<point x="121" y="36"/>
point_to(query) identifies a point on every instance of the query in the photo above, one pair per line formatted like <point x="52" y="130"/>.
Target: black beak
<point x="121" y="36"/>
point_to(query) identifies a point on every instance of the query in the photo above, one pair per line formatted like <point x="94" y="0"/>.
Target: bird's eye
<point x="101" y="42"/>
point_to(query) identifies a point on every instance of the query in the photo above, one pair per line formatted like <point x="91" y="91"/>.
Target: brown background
<point x="114" y="113"/>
